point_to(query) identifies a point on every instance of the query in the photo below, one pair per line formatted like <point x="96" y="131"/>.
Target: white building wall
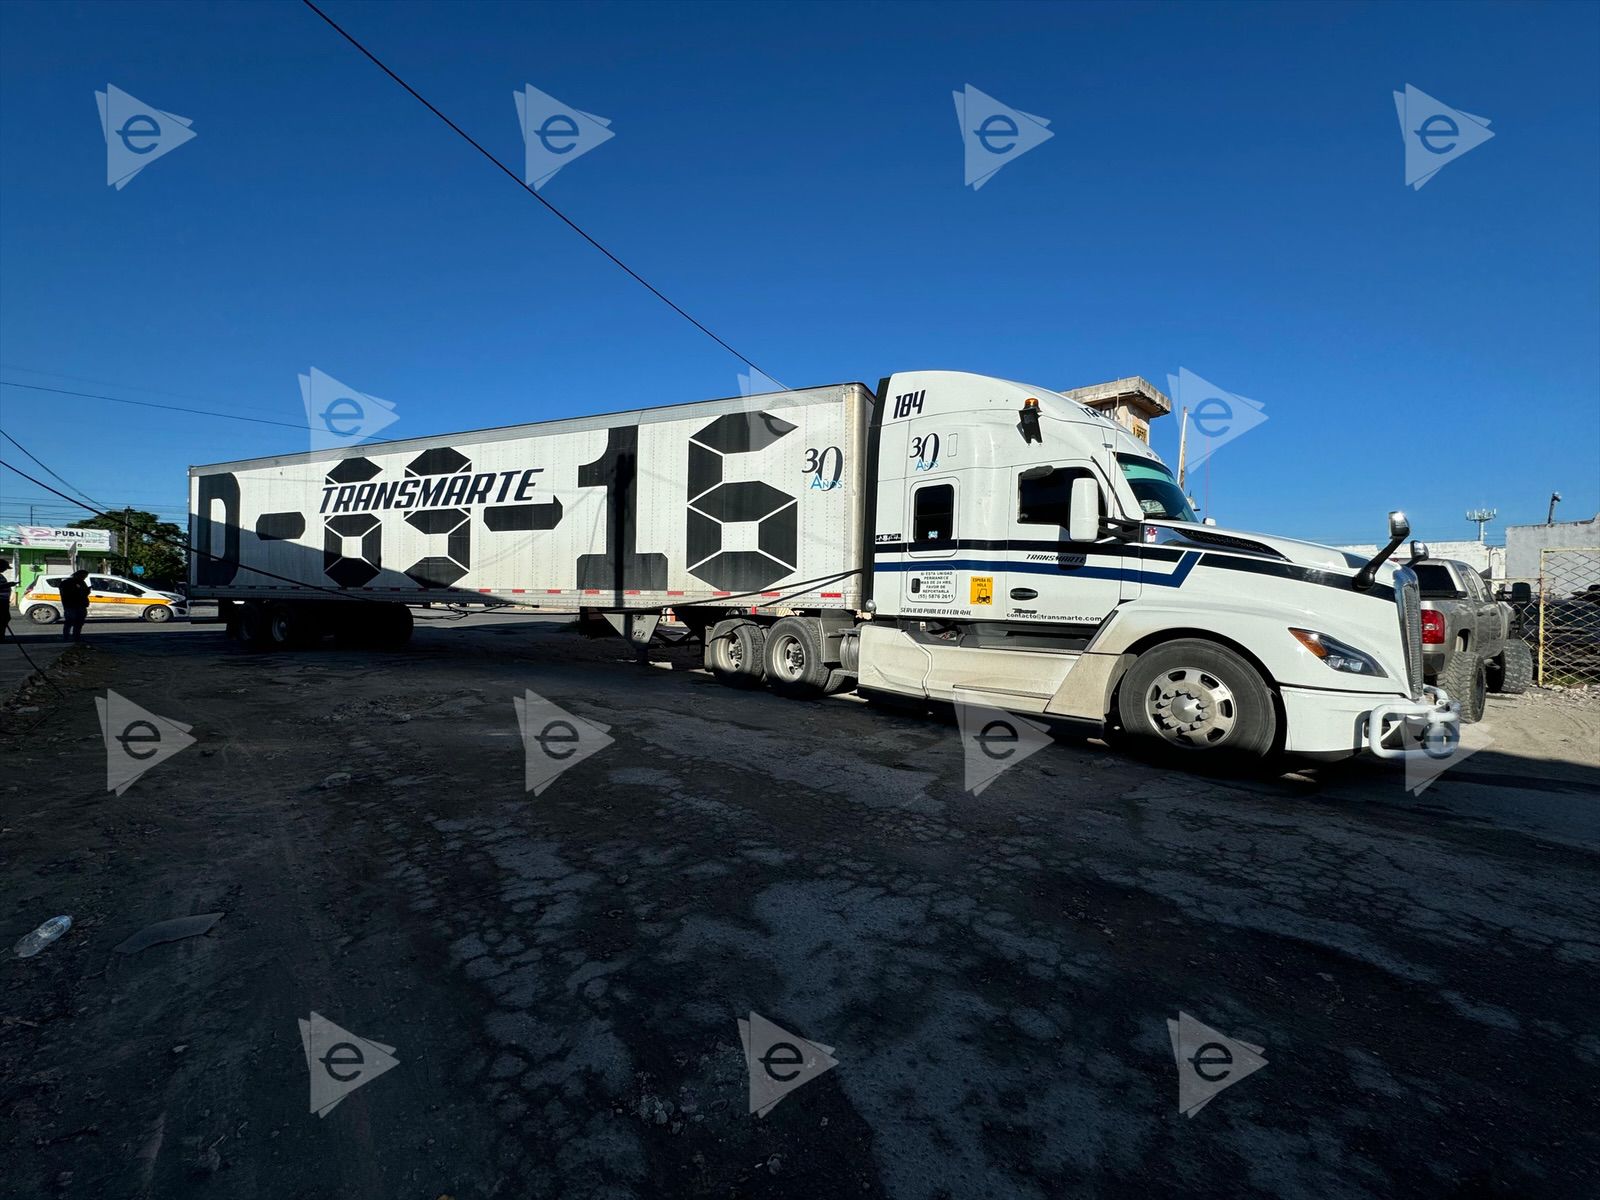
<point x="1523" y="543"/>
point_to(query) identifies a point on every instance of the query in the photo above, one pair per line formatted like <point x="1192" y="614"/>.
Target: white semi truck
<point x="951" y="536"/>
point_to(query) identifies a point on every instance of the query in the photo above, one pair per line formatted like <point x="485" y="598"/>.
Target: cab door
<point x="929" y="583"/>
<point x="1066" y="589"/>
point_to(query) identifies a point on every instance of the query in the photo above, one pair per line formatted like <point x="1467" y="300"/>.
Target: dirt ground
<point x="560" y="974"/>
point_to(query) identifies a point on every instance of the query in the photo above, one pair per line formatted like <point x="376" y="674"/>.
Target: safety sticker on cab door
<point x="982" y="589"/>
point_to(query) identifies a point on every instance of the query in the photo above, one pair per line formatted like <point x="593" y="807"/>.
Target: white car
<point x="109" y="596"/>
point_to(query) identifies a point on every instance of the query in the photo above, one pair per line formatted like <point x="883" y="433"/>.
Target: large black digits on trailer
<point x="714" y="504"/>
<point x="621" y="567"/>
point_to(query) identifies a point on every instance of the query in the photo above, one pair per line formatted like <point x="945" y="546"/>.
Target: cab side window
<point x="933" y="513"/>
<point x="1044" y="495"/>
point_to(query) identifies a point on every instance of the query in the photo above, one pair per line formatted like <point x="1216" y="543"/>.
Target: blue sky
<point x="1224" y="193"/>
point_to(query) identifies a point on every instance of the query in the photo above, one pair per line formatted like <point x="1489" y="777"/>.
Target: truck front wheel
<point x="1196" y="698"/>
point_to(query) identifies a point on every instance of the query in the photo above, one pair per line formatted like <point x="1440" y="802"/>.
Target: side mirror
<point x="1209" y="521"/>
<point x="1399" y="527"/>
<point x="1083" y="521"/>
<point x="1521" y="593"/>
<point x="1419" y="551"/>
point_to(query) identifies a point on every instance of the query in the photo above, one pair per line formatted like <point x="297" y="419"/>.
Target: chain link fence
<point x="1567" y="650"/>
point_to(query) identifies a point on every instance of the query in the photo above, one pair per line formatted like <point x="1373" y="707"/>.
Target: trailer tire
<point x="249" y="626"/>
<point x="293" y="626"/>
<point x="1511" y="672"/>
<point x="793" y="657"/>
<point x="735" y="653"/>
<point x="1191" y="700"/>
<point x="1465" y="679"/>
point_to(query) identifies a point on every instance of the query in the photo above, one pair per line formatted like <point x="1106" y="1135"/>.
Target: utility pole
<point x="1550" y="517"/>
<point x="1482" y="516"/>
<point x="1183" y="442"/>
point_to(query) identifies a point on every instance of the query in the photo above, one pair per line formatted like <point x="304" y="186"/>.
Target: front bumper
<point x="1408" y="729"/>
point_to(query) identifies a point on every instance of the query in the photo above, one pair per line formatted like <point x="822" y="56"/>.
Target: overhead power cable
<point x="203" y="412"/>
<point x="48" y="471"/>
<point x="517" y="179"/>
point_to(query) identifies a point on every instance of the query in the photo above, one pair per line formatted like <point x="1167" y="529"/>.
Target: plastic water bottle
<point x="43" y="936"/>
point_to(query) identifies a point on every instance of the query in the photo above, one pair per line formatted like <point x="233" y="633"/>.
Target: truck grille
<point x="1408" y="597"/>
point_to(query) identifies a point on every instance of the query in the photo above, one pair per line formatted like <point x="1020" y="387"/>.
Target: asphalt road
<point x="559" y="975"/>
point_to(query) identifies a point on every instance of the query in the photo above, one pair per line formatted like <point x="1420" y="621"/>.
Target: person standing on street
<point x="74" y="605"/>
<point x="5" y="599"/>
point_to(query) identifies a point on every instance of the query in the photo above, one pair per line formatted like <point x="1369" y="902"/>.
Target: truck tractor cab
<point x="1031" y="554"/>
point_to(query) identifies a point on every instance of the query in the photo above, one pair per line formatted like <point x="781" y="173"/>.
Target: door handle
<point x="1024" y="594"/>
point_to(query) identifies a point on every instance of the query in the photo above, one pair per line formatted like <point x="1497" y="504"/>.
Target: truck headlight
<point x="1337" y="655"/>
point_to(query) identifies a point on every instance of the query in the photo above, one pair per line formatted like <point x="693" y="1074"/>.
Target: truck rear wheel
<point x="1465" y="679"/>
<point x="794" y="659"/>
<point x="1512" y="671"/>
<point x="1193" y="699"/>
<point x="735" y="653"/>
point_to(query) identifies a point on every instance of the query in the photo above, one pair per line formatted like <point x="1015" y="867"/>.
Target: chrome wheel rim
<point x="1191" y="708"/>
<point x="790" y="659"/>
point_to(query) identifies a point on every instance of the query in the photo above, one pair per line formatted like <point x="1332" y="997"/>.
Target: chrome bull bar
<point x="1409" y="729"/>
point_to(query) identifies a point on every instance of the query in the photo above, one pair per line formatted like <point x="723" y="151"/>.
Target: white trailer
<point x="950" y="536"/>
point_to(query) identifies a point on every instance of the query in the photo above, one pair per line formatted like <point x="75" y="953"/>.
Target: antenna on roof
<point x="1482" y="516"/>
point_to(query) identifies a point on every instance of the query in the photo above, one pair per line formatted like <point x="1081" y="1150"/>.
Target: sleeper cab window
<point x="1044" y="495"/>
<point x="933" y="513"/>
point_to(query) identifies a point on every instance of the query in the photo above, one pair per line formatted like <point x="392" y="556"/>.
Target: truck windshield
<point x="1158" y="493"/>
